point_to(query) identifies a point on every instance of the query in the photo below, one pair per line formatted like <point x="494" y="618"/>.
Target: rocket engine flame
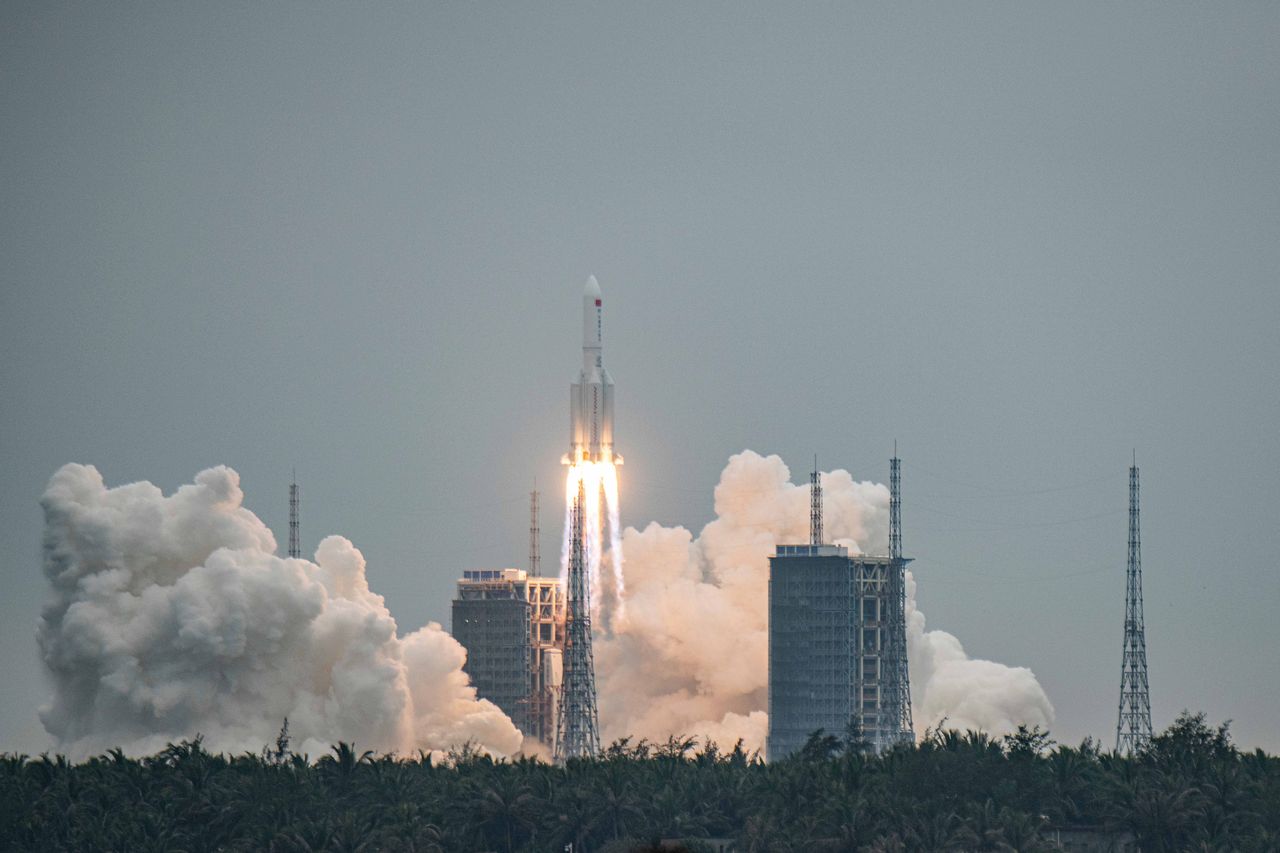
<point x="599" y="482"/>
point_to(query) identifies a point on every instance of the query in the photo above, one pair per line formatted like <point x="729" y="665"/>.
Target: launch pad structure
<point x="512" y="626"/>
<point x="528" y="638"/>
<point x="837" y="639"/>
<point x="578" y="722"/>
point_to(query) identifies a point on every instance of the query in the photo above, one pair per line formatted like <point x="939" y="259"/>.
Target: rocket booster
<point x="591" y="397"/>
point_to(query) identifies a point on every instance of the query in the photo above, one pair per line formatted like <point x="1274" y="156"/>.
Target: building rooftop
<point x="492" y="575"/>
<point x="830" y="551"/>
<point x="812" y="551"/>
<point x="488" y="576"/>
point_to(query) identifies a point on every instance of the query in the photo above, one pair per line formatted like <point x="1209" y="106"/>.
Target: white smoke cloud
<point x="174" y="615"/>
<point x="691" y="655"/>
<point x="968" y="693"/>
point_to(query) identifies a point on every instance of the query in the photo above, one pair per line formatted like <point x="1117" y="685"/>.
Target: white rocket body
<point x="591" y="397"/>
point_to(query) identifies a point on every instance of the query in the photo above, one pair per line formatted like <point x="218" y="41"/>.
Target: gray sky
<point x="1021" y="239"/>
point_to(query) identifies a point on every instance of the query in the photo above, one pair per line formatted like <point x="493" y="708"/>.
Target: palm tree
<point x="1193" y="791"/>
<point x="571" y="820"/>
<point x="344" y="761"/>
<point x="939" y="831"/>
<point x="987" y="825"/>
<point x="842" y="826"/>
<point x="504" y="807"/>
<point x="615" y="804"/>
<point x="1161" y="815"/>
<point x="1069" y="770"/>
<point x="1021" y="832"/>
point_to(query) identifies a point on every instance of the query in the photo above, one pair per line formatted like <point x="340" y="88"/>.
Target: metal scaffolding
<point x="295" y="549"/>
<point x="896" y="724"/>
<point x="1133" y="728"/>
<point x="815" y="506"/>
<point x="535" y="535"/>
<point x="578" y="722"/>
<point x="512" y="626"/>
<point x="837" y="638"/>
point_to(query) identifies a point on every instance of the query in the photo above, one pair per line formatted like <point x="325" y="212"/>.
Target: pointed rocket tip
<point x="592" y="288"/>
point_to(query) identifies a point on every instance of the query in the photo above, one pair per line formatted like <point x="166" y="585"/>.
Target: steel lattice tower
<point x="535" y="535"/>
<point x="815" y="506"/>
<point x="578" y="723"/>
<point x="295" y="550"/>
<point x="1133" y="729"/>
<point x="896" y="710"/>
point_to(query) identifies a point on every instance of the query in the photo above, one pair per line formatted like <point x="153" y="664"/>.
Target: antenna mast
<point x="815" y="506"/>
<point x="535" y="534"/>
<point x="895" y="505"/>
<point x="1133" y="729"/>
<point x="295" y="550"/>
<point x="898" y="727"/>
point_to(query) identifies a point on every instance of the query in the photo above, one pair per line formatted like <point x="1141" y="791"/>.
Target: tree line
<point x="1190" y="789"/>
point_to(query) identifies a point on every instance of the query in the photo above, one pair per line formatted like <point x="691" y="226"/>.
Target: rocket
<point x="591" y="397"/>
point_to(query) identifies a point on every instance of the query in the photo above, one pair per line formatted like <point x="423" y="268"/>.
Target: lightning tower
<point x="815" y="506"/>
<point x="295" y="550"/>
<point x="896" y="710"/>
<point x="578" y="722"/>
<point x="535" y="535"/>
<point x="1133" y="729"/>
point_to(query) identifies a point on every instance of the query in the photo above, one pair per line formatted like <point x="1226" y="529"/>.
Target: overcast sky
<point x="1021" y="239"/>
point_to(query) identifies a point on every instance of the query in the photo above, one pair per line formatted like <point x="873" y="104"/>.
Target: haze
<point x="1021" y="240"/>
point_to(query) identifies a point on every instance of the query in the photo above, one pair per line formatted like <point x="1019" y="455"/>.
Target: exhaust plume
<point x="599" y="481"/>
<point x="173" y="615"/>
<point x="691" y="655"/>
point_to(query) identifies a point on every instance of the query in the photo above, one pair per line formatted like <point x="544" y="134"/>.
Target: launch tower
<point x="1133" y="729"/>
<point x="578" y="721"/>
<point x="896" y="725"/>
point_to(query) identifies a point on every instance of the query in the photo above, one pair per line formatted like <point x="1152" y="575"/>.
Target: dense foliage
<point x="1191" y="790"/>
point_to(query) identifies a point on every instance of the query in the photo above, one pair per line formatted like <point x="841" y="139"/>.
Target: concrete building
<point x="512" y="626"/>
<point x="830" y="623"/>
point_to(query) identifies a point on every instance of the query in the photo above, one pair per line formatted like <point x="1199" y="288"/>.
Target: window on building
<point x="870" y="610"/>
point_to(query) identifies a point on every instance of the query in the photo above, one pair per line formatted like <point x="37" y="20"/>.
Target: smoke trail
<point x="615" y="539"/>
<point x="692" y="656"/>
<point x="591" y="528"/>
<point x="173" y="615"/>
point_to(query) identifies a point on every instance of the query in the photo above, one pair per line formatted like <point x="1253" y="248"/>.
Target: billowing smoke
<point x="968" y="693"/>
<point x="173" y="616"/>
<point x="691" y="655"/>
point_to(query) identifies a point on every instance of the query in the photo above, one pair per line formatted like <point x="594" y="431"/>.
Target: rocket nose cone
<point x="592" y="288"/>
